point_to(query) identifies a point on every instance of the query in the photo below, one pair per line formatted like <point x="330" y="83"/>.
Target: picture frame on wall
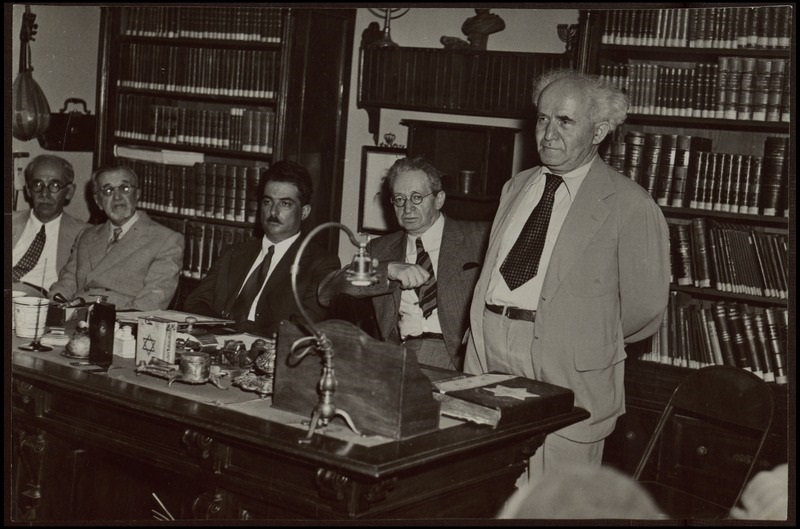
<point x="375" y="214"/>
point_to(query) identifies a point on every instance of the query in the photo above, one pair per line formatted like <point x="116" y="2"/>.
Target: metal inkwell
<point x="194" y="368"/>
<point x="259" y="376"/>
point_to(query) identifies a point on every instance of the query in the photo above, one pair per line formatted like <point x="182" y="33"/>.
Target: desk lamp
<point x="361" y="273"/>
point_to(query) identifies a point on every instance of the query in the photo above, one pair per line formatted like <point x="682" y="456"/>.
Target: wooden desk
<point x="89" y="446"/>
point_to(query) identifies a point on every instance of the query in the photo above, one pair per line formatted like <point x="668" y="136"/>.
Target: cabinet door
<point x="624" y="447"/>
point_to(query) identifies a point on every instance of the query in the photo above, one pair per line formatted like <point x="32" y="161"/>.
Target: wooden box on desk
<point x="380" y="385"/>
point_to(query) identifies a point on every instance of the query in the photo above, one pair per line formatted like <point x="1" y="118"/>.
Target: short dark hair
<point x="290" y="172"/>
<point x="418" y="163"/>
<point x="109" y="169"/>
<point x="66" y="168"/>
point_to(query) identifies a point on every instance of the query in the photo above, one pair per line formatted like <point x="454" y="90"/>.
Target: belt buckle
<point x="506" y="311"/>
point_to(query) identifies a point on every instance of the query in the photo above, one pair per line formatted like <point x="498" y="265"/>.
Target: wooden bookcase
<point x="487" y="152"/>
<point x="627" y="46"/>
<point x="198" y="99"/>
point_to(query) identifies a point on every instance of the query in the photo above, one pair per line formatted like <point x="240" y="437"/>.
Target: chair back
<point x="708" y="440"/>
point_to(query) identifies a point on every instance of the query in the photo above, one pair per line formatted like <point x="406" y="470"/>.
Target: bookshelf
<point x="708" y="136"/>
<point x="199" y="99"/>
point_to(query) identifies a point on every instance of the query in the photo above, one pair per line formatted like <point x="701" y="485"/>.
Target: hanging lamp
<point x="31" y="112"/>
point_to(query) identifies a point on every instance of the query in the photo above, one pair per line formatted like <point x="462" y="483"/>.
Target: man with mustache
<point x="42" y="237"/>
<point x="130" y="259"/>
<point x="250" y="283"/>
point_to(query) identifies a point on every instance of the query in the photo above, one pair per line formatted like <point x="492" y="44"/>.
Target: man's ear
<point x="439" y="199"/>
<point x="70" y="192"/>
<point x="601" y="130"/>
<point x="306" y="211"/>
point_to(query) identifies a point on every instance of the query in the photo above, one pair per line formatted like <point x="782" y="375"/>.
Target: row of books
<point x="679" y="170"/>
<point x="757" y="90"/>
<point x="204" y="243"/>
<point x="205" y="71"/>
<point x="712" y="27"/>
<point x="206" y="190"/>
<point x="230" y="128"/>
<point x="251" y="24"/>
<point x="499" y="83"/>
<point x="729" y="258"/>
<point x="696" y="334"/>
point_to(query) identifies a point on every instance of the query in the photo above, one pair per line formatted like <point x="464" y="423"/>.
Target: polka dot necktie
<point x="31" y="256"/>
<point x="522" y="262"/>
<point x="251" y="288"/>
<point x="427" y="292"/>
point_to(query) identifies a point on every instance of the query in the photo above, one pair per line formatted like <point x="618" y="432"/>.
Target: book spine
<point x="701" y="253"/>
<point x="750" y="341"/>
<point x="726" y="345"/>
<point x="776" y="345"/>
<point x="762" y="346"/>
<point x="711" y="330"/>
<point x="736" y="330"/>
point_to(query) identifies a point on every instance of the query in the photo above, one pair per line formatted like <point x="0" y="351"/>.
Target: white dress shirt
<point x="527" y="295"/>
<point x="280" y="250"/>
<point x="41" y="275"/>
<point x="412" y="322"/>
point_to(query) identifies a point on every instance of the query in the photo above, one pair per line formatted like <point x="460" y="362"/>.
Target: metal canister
<point x="195" y="367"/>
<point x="466" y="181"/>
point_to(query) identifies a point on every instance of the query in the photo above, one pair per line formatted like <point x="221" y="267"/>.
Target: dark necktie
<point x="114" y="239"/>
<point x="241" y="307"/>
<point x="30" y="258"/>
<point x="522" y="262"/>
<point x="427" y="292"/>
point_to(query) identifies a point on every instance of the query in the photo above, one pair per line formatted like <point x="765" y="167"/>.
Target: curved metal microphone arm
<point x="325" y="410"/>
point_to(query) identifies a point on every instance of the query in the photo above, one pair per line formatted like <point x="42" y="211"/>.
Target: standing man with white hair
<point x="577" y="266"/>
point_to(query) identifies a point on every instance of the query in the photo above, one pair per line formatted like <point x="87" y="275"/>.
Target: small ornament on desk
<point x="79" y="344"/>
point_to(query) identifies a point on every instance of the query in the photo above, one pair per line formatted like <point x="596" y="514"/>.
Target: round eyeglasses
<point x="125" y="189"/>
<point x="399" y="201"/>
<point x="37" y="186"/>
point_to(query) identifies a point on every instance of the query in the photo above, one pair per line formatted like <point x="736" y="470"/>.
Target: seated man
<point x="42" y="237"/>
<point x="250" y="283"/>
<point x="427" y="270"/>
<point x="131" y="259"/>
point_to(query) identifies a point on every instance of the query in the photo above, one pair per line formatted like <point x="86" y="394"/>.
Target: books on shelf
<point x="697" y="333"/>
<point x="708" y="27"/>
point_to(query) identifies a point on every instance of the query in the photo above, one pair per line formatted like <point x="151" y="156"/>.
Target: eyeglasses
<point x="125" y="189"/>
<point x="37" y="186"/>
<point x="399" y="201"/>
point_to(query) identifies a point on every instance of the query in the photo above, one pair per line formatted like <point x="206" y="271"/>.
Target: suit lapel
<point x="451" y="258"/>
<point x="240" y="265"/>
<point x="387" y="310"/>
<point x="585" y="217"/>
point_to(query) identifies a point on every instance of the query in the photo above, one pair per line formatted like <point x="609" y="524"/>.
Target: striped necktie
<point x="114" y="239"/>
<point x="427" y="292"/>
<point x="522" y="262"/>
<point x="31" y="257"/>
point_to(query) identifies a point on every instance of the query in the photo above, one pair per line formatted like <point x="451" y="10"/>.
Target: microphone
<point x="362" y="270"/>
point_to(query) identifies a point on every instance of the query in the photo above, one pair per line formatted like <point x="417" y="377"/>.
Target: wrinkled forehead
<point x="411" y="181"/>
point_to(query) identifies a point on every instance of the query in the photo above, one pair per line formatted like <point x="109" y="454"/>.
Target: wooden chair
<point x="707" y="442"/>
